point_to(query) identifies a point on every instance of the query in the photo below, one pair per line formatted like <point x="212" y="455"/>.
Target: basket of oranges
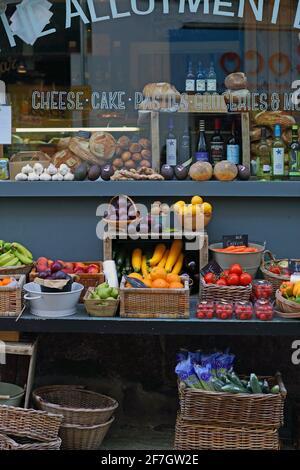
<point x="11" y="298"/>
<point x="194" y="216"/>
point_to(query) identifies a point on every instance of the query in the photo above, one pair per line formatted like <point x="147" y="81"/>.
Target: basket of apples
<point x="231" y="285"/>
<point x="88" y="273"/>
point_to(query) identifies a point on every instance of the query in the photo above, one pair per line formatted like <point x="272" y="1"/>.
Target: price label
<point x="212" y="267"/>
<point x="235" y="240"/>
<point x="294" y="266"/>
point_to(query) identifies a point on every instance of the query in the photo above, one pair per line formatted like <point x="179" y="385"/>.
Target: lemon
<point x="207" y="208"/>
<point x="179" y="205"/>
<point x="196" y="200"/>
<point x="196" y="209"/>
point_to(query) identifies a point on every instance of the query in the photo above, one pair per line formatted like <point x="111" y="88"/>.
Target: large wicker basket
<point x="198" y="436"/>
<point x="275" y="279"/>
<point x="100" y="308"/>
<point x="214" y="293"/>
<point x="238" y="410"/>
<point x="13" y="270"/>
<point x="26" y="443"/>
<point x="287" y="306"/>
<point x="84" y="437"/>
<point x="11" y="298"/>
<point x="77" y="405"/>
<point x="155" y="303"/>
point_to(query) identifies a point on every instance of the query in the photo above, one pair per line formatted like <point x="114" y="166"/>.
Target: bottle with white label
<point x="263" y="159"/>
<point x="190" y="79"/>
<point x="171" y="145"/>
<point x="211" y="81"/>
<point x="278" y="149"/>
<point x="200" y="80"/>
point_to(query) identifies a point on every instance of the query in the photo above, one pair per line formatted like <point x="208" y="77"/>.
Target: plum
<point x="56" y="266"/>
<point x="45" y="274"/>
<point x="60" y="275"/>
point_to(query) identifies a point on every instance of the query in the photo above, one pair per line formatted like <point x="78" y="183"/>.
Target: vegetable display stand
<point x="100" y="308"/>
<point x="11" y="297"/>
<point x="155" y="303"/>
<point x="275" y="279"/>
<point x="193" y="435"/>
<point x="259" y="411"/>
<point x="215" y="293"/>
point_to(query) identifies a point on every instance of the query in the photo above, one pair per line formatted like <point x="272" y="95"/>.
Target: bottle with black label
<point x="171" y="145"/>
<point x="184" y="156"/>
<point x="233" y="146"/>
<point x="202" y="154"/>
<point x="190" y="79"/>
<point x="200" y="79"/>
<point x="217" y="143"/>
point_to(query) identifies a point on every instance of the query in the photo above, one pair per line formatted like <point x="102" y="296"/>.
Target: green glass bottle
<point x="278" y="148"/>
<point x="263" y="159"/>
<point x="294" y="154"/>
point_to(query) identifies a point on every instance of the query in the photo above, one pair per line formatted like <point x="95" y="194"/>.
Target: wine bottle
<point x="212" y="80"/>
<point x="202" y="154"/>
<point x="263" y="159"/>
<point x="278" y="148"/>
<point x="200" y="79"/>
<point x="294" y="154"/>
<point x="217" y="143"/>
<point x="171" y="145"/>
<point x="190" y="79"/>
<point x="233" y="147"/>
<point x="184" y="157"/>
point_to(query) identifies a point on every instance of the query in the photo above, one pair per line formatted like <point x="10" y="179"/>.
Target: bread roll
<point x="67" y="157"/>
<point x="271" y="118"/>
<point x="145" y="143"/>
<point x="135" y="148"/>
<point x="63" y="143"/>
<point x="103" y="145"/>
<point x="236" y="81"/>
<point x="146" y="154"/>
<point x="124" y="142"/>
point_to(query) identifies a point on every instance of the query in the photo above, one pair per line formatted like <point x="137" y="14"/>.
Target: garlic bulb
<point x="21" y="177"/>
<point x="51" y="170"/>
<point x="33" y="177"/>
<point x="38" y="168"/>
<point x="57" y="177"/>
<point x="69" y="177"/>
<point x="45" y="177"/>
<point x="64" y="169"/>
<point x="27" y="169"/>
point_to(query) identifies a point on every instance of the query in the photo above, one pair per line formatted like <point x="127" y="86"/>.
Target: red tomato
<point x="221" y="282"/>
<point x="275" y="270"/>
<point x="210" y="278"/>
<point x="236" y="269"/>
<point x="233" y="280"/>
<point x="226" y="272"/>
<point x="245" y="279"/>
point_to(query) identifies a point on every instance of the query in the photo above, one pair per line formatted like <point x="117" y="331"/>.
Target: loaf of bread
<point x="255" y="133"/>
<point x="81" y="148"/>
<point x="236" y="81"/>
<point x="161" y="91"/>
<point x="63" y="143"/>
<point x="103" y="145"/>
<point x="271" y="118"/>
<point x="67" y="157"/>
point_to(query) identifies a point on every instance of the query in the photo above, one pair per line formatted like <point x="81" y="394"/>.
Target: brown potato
<point x="129" y="164"/>
<point x="126" y="156"/>
<point x="124" y="142"/>
<point x="117" y="163"/>
<point x="135" y="148"/>
<point x="146" y="154"/>
<point x="136" y="157"/>
<point x="145" y="163"/>
<point x="145" y="143"/>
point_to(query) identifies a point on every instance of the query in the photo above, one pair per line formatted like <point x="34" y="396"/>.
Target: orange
<point x="160" y="284"/>
<point x="136" y="276"/>
<point x="6" y="281"/>
<point x="158" y="273"/>
<point x="147" y="282"/>
<point x="176" y="285"/>
<point x="128" y="285"/>
<point x="173" y="278"/>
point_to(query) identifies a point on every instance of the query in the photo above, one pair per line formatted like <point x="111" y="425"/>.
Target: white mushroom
<point x="57" y="177"/>
<point x="51" y="170"/>
<point x="21" y="177"/>
<point x="33" y="177"/>
<point x="64" y="169"/>
<point x="27" y="169"/>
<point x="38" y="168"/>
<point x="69" y="177"/>
<point x="45" y="177"/>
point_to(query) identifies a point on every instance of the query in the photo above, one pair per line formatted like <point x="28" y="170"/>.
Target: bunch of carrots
<point x="238" y="249"/>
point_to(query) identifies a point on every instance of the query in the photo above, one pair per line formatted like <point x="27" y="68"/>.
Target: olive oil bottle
<point x="294" y="154"/>
<point x="278" y="163"/>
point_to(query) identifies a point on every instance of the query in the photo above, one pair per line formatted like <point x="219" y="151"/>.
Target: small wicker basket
<point x="76" y="437"/>
<point x="13" y="270"/>
<point x="11" y="298"/>
<point x="287" y="306"/>
<point x="26" y="443"/>
<point x="214" y="293"/>
<point x="100" y="308"/>
<point x="119" y="224"/>
<point x="275" y="279"/>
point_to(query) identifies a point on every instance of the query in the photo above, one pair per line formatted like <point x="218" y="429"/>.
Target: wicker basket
<point x="84" y="437"/>
<point x="13" y="270"/>
<point x="275" y="279"/>
<point x="155" y="303"/>
<point x="86" y="279"/>
<point x="11" y="298"/>
<point x="287" y="306"/>
<point x="121" y="225"/>
<point x="241" y="410"/>
<point x="100" y="308"/>
<point x="37" y="426"/>
<point x="197" y="436"/>
<point x="77" y="405"/>
<point x="24" y="443"/>
<point x="214" y="293"/>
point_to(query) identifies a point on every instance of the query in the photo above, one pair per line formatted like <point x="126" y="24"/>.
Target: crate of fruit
<point x="138" y="301"/>
<point x="11" y="295"/>
<point x="102" y="301"/>
<point x="88" y="273"/>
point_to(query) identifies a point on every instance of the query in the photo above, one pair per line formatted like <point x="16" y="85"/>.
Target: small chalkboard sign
<point x="211" y="267"/>
<point x="235" y="240"/>
<point x="294" y="266"/>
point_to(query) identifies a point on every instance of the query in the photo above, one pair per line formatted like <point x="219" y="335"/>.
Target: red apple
<point x="50" y="262"/>
<point x="93" y="269"/>
<point x="69" y="266"/>
<point x="79" y="271"/>
<point x="79" y="266"/>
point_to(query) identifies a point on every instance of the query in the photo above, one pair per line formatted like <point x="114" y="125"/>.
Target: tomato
<point x="225" y="273"/>
<point x="236" y="269"/>
<point x="221" y="282"/>
<point x="233" y="280"/>
<point x="275" y="269"/>
<point x="245" y="279"/>
<point x="210" y="278"/>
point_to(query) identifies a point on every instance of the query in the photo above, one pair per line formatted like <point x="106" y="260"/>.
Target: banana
<point x="7" y="246"/>
<point x="22" y="249"/>
<point x="6" y="258"/>
<point x="24" y="259"/>
<point x="12" y="262"/>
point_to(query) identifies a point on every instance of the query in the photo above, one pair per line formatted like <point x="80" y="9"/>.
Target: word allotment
<point x="111" y="10"/>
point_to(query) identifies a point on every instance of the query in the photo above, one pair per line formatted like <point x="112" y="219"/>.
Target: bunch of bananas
<point x="14" y="254"/>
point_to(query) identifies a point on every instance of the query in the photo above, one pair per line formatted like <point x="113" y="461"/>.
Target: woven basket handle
<point x="268" y="254"/>
<point x="282" y="388"/>
<point x="125" y="197"/>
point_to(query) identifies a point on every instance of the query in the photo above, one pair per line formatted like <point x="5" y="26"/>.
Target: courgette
<point x="128" y="264"/>
<point x="266" y="386"/>
<point x="217" y="384"/>
<point x="236" y="380"/>
<point x="232" y="389"/>
<point x="255" y="385"/>
<point x="136" y="283"/>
